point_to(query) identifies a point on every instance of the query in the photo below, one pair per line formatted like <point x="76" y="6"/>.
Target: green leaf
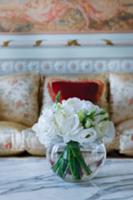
<point x="103" y="112"/>
<point x="57" y="164"/>
<point x="58" y="97"/>
<point x="91" y="113"/>
<point x="74" y="166"/>
<point x="61" y="165"/>
<point x="83" y="165"/>
<point x="61" y="171"/>
<point x="71" y="160"/>
<point x="75" y="148"/>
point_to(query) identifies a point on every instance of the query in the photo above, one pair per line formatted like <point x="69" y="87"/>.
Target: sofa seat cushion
<point x="19" y="98"/>
<point x="11" y="138"/>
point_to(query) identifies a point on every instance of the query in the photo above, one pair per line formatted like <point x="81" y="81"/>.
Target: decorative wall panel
<point x="65" y="16"/>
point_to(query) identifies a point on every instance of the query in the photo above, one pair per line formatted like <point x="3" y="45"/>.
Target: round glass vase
<point x="77" y="163"/>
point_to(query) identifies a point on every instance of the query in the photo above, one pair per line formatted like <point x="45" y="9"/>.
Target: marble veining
<point x="31" y="178"/>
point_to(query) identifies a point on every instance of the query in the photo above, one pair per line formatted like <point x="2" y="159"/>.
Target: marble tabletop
<point x="31" y="178"/>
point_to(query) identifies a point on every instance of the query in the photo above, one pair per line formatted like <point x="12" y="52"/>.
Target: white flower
<point x="61" y="123"/>
<point x="73" y="105"/>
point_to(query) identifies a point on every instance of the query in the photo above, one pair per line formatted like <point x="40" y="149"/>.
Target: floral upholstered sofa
<point x="24" y="96"/>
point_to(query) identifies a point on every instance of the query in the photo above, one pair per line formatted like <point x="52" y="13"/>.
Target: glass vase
<point x="74" y="162"/>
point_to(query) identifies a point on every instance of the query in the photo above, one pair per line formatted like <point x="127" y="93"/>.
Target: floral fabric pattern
<point x="126" y="142"/>
<point x="121" y="91"/>
<point x="65" y="16"/>
<point x="19" y="98"/>
<point x="11" y="138"/>
<point x="16" y="139"/>
<point x="32" y="143"/>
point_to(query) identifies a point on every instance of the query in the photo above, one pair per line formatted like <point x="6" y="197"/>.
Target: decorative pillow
<point x="11" y="138"/>
<point x="123" y="137"/>
<point x="128" y="124"/>
<point x="19" y="98"/>
<point x="93" y="88"/>
<point x="121" y="97"/>
<point x="32" y="144"/>
<point x="126" y="142"/>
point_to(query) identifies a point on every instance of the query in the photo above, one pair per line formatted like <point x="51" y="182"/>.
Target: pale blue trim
<point x="67" y="52"/>
<point x="54" y="37"/>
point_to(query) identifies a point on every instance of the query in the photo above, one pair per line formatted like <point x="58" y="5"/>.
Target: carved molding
<point x="66" y="66"/>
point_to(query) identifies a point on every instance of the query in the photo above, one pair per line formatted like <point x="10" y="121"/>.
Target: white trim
<point x="67" y="52"/>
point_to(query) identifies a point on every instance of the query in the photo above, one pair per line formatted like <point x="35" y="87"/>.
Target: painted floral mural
<point x="66" y="16"/>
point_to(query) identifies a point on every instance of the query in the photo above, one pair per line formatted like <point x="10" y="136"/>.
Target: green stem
<point x="61" y="165"/>
<point x="75" y="148"/>
<point x="74" y="166"/>
<point x="71" y="160"/>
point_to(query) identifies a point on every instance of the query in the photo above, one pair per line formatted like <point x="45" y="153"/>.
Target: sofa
<point x="24" y="96"/>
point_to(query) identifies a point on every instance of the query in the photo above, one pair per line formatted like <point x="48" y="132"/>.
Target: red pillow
<point x="84" y="89"/>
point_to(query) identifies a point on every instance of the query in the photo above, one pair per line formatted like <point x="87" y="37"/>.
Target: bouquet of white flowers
<point x="73" y="122"/>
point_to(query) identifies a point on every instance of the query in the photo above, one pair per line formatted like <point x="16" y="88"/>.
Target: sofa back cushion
<point x="19" y="98"/>
<point x="121" y="97"/>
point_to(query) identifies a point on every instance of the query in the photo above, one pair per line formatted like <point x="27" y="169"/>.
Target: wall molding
<point x="66" y="66"/>
<point x="66" y="60"/>
<point x="67" y="52"/>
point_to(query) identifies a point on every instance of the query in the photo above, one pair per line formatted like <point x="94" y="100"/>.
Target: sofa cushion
<point x="32" y="143"/>
<point x="11" y="138"/>
<point x="93" y="88"/>
<point x="127" y="124"/>
<point x="126" y="142"/>
<point x="121" y="97"/>
<point x="124" y="136"/>
<point x="19" y="98"/>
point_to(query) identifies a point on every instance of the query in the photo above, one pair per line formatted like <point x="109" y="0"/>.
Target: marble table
<point x="31" y="178"/>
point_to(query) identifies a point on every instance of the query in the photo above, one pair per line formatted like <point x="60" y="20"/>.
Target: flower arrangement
<point x="73" y="122"/>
